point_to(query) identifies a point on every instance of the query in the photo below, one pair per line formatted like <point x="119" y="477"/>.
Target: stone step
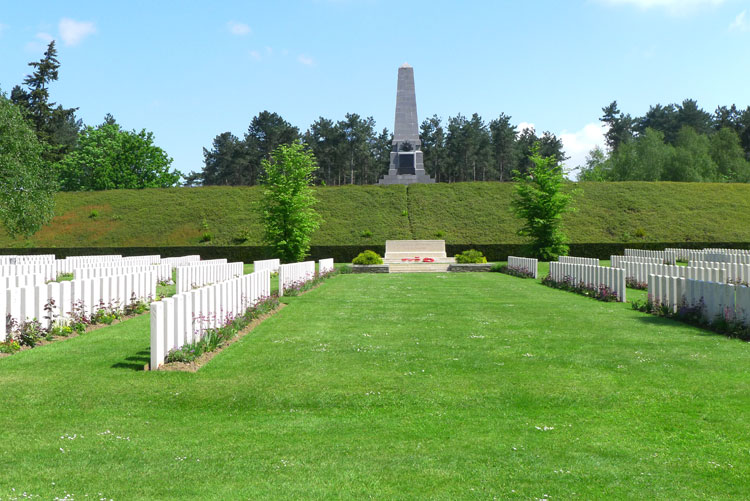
<point x="419" y="268"/>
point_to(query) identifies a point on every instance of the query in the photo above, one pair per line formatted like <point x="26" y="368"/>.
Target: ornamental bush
<point x="368" y="257"/>
<point x="471" y="256"/>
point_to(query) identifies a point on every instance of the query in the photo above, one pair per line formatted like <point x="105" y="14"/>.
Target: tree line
<point x="676" y="142"/>
<point x="354" y="151"/>
<point x="80" y="157"/>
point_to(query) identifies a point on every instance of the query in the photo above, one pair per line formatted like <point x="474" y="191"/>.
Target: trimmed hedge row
<point x="345" y="253"/>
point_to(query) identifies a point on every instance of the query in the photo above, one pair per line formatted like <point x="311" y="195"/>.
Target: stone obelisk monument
<point x="407" y="166"/>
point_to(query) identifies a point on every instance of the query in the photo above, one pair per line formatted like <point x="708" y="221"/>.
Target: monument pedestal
<point x="406" y="165"/>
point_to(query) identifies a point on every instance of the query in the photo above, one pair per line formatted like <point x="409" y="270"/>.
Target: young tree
<point x="287" y="206"/>
<point x="540" y="202"/>
<point x="109" y="158"/>
<point x="26" y="186"/>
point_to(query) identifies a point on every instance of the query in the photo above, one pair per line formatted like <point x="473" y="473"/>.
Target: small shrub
<point x="471" y="256"/>
<point x="27" y="333"/>
<point x="405" y="213"/>
<point x="94" y="214"/>
<point x="366" y="234"/>
<point x="9" y="346"/>
<point x="440" y="234"/>
<point x="368" y="257"/>
<point x="206" y="237"/>
<point x="242" y="236"/>
<point x="634" y="284"/>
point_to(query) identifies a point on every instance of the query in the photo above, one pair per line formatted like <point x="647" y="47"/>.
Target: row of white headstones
<point x="28" y="290"/>
<point x="185" y="318"/>
<point x="715" y="282"/>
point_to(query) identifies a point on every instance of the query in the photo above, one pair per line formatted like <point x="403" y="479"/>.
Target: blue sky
<point x="190" y="70"/>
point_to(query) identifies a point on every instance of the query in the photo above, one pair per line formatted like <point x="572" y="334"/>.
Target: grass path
<point x="391" y="386"/>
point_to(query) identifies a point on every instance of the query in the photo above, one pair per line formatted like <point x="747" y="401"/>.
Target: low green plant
<point x="440" y="234"/>
<point x="368" y="257"/>
<point x="366" y="234"/>
<point x="640" y="233"/>
<point x="94" y="214"/>
<point x="206" y="237"/>
<point x="28" y="333"/>
<point x="9" y="346"/>
<point x="59" y="330"/>
<point x="242" y="236"/>
<point x="471" y="256"/>
<point x="405" y="213"/>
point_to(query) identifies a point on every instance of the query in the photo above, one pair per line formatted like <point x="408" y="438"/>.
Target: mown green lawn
<point x="391" y="386"/>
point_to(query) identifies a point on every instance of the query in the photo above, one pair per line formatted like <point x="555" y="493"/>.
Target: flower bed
<point x="694" y="314"/>
<point x="217" y="338"/>
<point x="31" y="333"/>
<point x="516" y="271"/>
<point x="598" y="292"/>
<point x="300" y="286"/>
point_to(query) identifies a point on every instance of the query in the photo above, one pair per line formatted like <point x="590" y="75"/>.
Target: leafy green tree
<point x="644" y="159"/>
<point x="55" y="126"/>
<point x="326" y="140"/>
<point x="503" y="137"/>
<point x="434" y="153"/>
<point x="692" y="160"/>
<point x="468" y="149"/>
<point x="726" y="151"/>
<point x="619" y="126"/>
<point x="266" y="131"/>
<point x="224" y="163"/>
<point x="540" y="202"/>
<point x="663" y="119"/>
<point x="26" y="185"/>
<point x="690" y="115"/>
<point x="382" y="152"/>
<point x="596" y="167"/>
<point x="288" y="212"/>
<point x="358" y="138"/>
<point x="109" y="158"/>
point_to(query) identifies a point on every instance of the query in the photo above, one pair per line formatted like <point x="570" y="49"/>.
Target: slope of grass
<point x="392" y="386"/>
<point x="605" y="212"/>
<point x="462" y="213"/>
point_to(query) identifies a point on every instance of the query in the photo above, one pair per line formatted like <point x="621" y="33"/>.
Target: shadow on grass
<point x="671" y="322"/>
<point x="136" y="362"/>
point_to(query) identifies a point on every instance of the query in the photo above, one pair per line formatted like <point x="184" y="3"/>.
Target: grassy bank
<point x="462" y="213"/>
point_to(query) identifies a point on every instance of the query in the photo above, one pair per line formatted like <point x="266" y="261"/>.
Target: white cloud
<point x="740" y="22"/>
<point x="41" y="42"/>
<point x="672" y="6"/>
<point x="307" y="61"/>
<point x="578" y="144"/>
<point x="523" y="126"/>
<point x="255" y="55"/>
<point x="73" y="32"/>
<point x="239" y="29"/>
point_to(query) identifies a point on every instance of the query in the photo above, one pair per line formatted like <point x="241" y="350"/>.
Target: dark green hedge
<point x="345" y="253"/>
